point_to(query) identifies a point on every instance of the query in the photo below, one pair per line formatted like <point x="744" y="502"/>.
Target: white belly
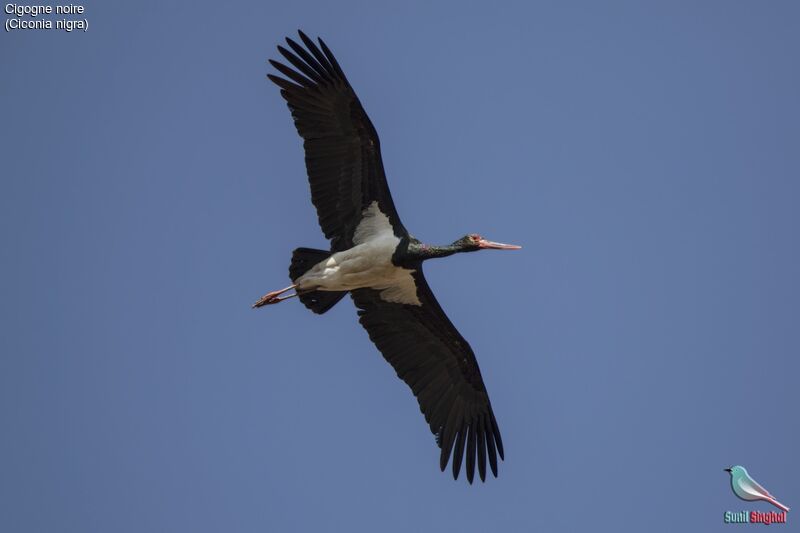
<point x="364" y="265"/>
<point x="368" y="264"/>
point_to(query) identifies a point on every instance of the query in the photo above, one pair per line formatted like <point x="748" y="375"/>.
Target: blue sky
<point x="644" y="154"/>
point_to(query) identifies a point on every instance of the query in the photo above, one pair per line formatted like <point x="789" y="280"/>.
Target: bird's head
<point x="474" y="242"/>
<point x="736" y="470"/>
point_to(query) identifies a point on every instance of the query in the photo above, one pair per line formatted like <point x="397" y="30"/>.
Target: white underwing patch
<point x="403" y="291"/>
<point x="374" y="224"/>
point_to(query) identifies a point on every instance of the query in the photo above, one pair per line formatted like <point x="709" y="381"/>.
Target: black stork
<point x="378" y="262"/>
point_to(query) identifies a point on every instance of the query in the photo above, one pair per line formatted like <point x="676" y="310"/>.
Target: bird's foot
<point x="274" y="297"/>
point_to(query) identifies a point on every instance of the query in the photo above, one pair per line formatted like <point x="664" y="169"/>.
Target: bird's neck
<point x="430" y="251"/>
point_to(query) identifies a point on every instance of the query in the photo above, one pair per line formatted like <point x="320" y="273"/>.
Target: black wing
<point x="437" y="363"/>
<point x="343" y="156"/>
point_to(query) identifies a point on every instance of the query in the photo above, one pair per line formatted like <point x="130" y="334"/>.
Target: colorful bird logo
<point x="748" y="488"/>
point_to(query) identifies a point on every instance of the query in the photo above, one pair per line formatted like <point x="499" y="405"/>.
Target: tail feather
<point x="303" y="259"/>
<point x="777" y="504"/>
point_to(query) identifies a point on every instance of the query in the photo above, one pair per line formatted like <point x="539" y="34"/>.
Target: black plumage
<point x="343" y="157"/>
<point x="346" y="174"/>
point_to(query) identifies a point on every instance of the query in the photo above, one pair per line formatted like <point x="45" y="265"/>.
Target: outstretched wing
<point x="429" y="354"/>
<point x="343" y="156"/>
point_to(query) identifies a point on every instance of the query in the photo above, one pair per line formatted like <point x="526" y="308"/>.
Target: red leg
<point x="274" y="297"/>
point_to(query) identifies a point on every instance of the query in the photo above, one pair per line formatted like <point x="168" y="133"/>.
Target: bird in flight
<point x="748" y="488"/>
<point x="378" y="262"/>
